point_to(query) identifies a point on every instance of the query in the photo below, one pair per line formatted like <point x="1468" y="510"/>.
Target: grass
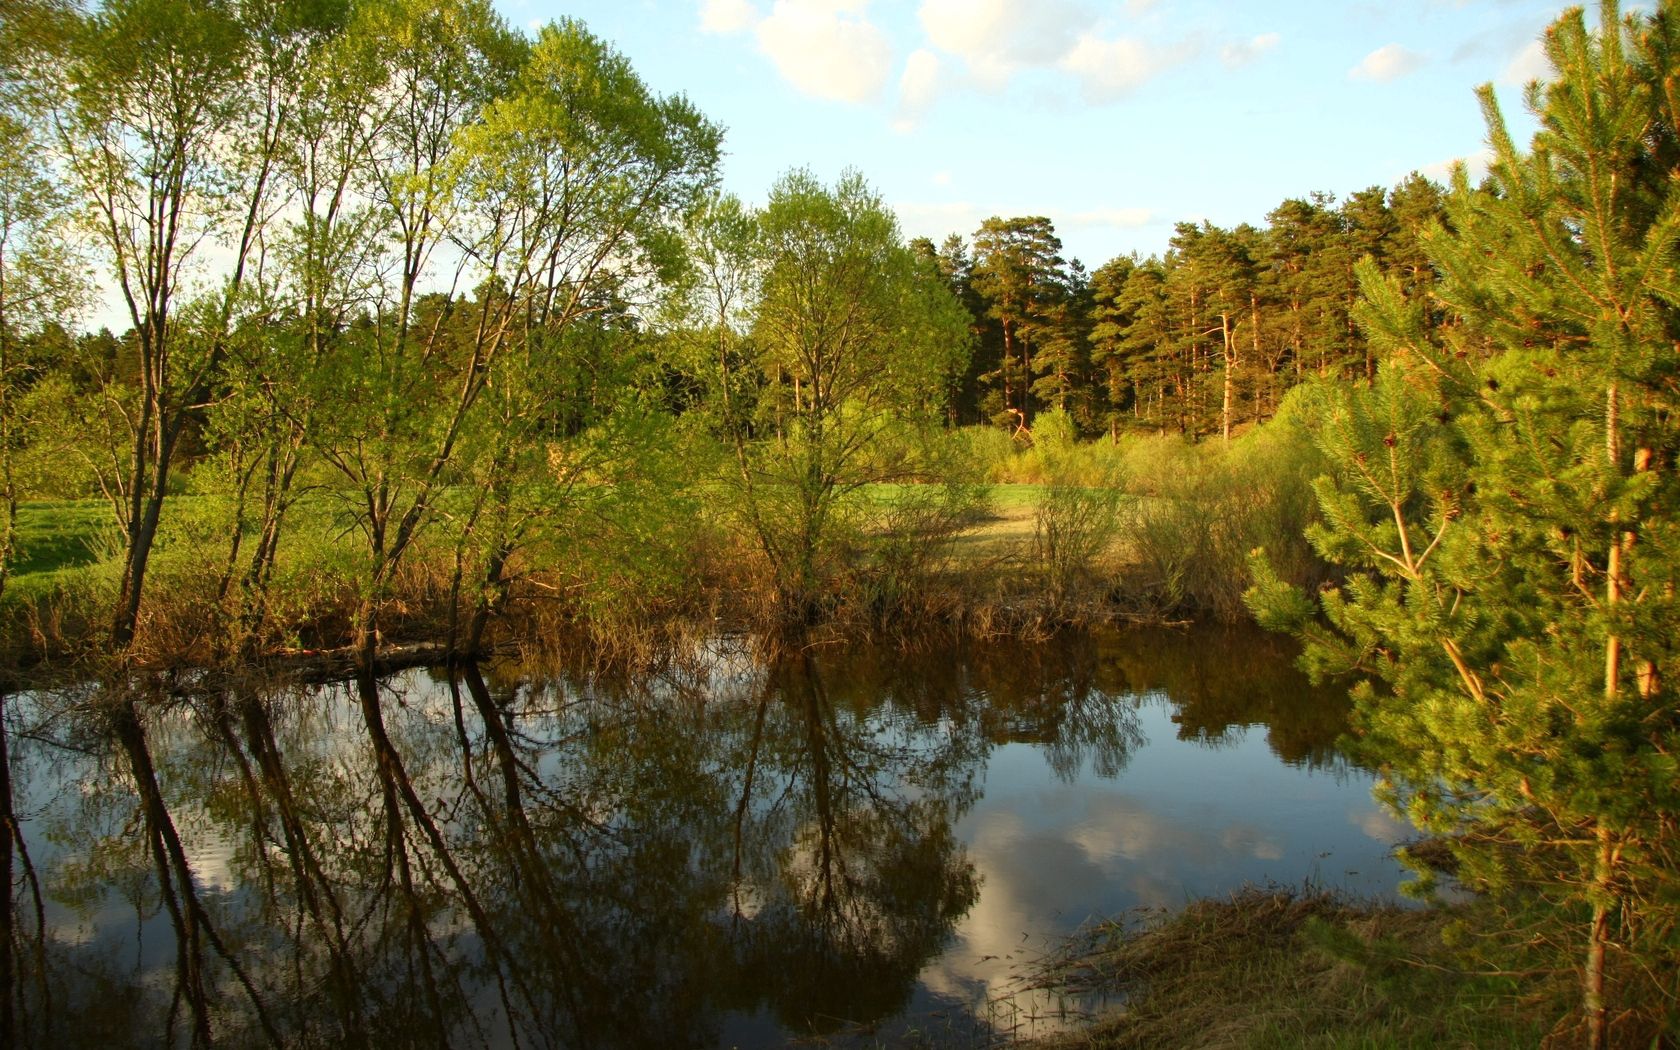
<point x="1015" y="498"/>
<point x="60" y="548"/>
<point x="1006" y="530"/>
<point x="65" y="534"/>
<point x="979" y="565"/>
<point x="1279" y="968"/>
<point x="60" y="536"/>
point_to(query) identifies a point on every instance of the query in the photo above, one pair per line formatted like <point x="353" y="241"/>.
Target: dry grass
<point x="1286" y="968"/>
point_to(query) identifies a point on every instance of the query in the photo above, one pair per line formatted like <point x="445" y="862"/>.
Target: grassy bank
<point x="1289" y="969"/>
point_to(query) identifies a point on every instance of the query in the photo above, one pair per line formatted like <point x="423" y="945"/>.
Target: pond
<point x="853" y="844"/>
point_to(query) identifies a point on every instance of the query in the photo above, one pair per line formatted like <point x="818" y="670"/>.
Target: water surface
<point x="847" y="843"/>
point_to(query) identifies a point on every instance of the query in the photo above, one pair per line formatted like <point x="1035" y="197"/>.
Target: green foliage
<point x="56" y="536"/>
<point x="1201" y="510"/>
<point x="1078" y="508"/>
<point x="1050" y="451"/>
<point x="41" y="268"/>
<point x="1503" y="499"/>
<point x="853" y="339"/>
<point x="1019" y="275"/>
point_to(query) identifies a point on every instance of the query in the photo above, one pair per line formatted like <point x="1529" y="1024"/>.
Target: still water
<point x="853" y="844"/>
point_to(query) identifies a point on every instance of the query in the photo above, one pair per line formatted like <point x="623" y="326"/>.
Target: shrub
<point x="1201" y="509"/>
<point x="1078" y="510"/>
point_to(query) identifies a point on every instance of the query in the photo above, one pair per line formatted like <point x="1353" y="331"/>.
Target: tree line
<point x="1202" y="339"/>
<point x="390" y="248"/>
<point x="454" y="277"/>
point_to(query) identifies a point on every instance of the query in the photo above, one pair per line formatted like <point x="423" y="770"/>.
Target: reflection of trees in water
<point x="868" y="877"/>
<point x="1223" y="679"/>
<point x="1055" y="695"/>
<point x="22" y="920"/>
<point x="447" y="860"/>
<point x="1049" y="694"/>
<point x="449" y="866"/>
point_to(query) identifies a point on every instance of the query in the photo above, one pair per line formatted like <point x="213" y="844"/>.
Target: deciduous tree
<point x="856" y="340"/>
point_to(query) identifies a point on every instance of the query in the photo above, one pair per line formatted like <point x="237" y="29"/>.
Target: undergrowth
<point x="1297" y="968"/>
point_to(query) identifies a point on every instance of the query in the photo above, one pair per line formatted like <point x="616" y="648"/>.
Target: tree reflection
<point x="1222" y="679"/>
<point x="22" y="940"/>
<point x="436" y="864"/>
<point x="864" y="877"/>
<point x="1056" y="696"/>
<point x="194" y="929"/>
<point x="483" y="858"/>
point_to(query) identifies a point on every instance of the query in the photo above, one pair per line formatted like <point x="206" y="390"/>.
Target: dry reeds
<point x="1281" y="967"/>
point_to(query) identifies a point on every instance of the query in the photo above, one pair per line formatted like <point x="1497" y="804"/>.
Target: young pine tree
<point x="1505" y="506"/>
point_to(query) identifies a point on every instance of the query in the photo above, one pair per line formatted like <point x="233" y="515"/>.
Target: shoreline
<point x="1289" y="967"/>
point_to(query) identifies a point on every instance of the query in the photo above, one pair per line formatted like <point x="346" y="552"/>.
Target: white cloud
<point x="998" y="38"/>
<point x="727" y="16"/>
<point x="917" y="88"/>
<point x="1235" y="56"/>
<point x="827" y="48"/>
<point x="1476" y="167"/>
<point x="935" y="220"/>
<point x="1529" y="64"/>
<point x="1389" y="62"/>
<point x="1109" y="69"/>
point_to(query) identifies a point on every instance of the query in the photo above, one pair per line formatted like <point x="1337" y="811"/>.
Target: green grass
<point x="62" y="553"/>
<point x="58" y="539"/>
<point x="1015" y="497"/>
<point x="67" y="534"/>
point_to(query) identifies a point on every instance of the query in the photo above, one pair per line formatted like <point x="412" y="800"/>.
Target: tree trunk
<point x="1227" y="333"/>
<point x="143" y="533"/>
<point x="491" y="597"/>
<point x="1592" y="983"/>
<point x="1598" y="937"/>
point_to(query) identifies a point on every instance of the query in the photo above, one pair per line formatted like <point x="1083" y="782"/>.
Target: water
<point x="854" y="845"/>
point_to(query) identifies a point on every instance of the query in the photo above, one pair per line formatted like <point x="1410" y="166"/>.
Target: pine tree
<point x="1061" y="335"/>
<point x="1109" y="322"/>
<point x="1226" y="273"/>
<point x="1505" y="506"/>
<point x="1416" y="205"/>
<point x="1144" y="343"/>
<point x="1018" y="272"/>
<point x="1299" y="231"/>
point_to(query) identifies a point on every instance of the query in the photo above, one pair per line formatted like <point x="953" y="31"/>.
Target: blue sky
<point x="1116" y="119"/>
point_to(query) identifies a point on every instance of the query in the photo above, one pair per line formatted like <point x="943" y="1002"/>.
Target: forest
<point x="441" y="341"/>
<point x="360" y="289"/>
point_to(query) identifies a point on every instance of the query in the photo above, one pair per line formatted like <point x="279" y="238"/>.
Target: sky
<point x="1114" y="118"/>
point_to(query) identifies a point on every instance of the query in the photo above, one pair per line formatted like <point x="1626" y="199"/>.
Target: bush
<point x="1079" y="507"/>
<point x="990" y="451"/>
<point x="1201" y="509"/>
